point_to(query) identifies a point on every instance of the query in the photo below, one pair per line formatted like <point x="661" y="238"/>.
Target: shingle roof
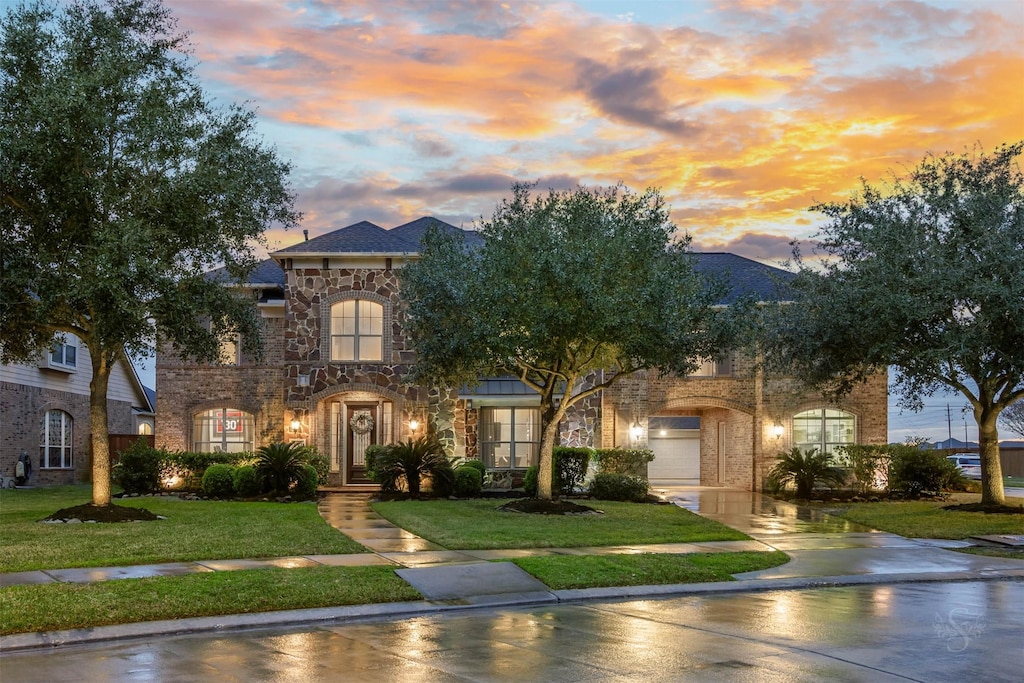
<point x="745" y="277"/>
<point x="415" y="230"/>
<point x="360" y="238"/>
<point x="267" y="272"/>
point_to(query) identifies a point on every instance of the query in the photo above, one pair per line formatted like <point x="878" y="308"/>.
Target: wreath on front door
<point x="361" y="422"/>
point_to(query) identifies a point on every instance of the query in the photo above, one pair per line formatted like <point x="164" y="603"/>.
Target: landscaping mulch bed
<point x="536" y="506"/>
<point x="102" y="514"/>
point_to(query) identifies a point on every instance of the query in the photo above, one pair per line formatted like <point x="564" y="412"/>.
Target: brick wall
<point x="23" y="408"/>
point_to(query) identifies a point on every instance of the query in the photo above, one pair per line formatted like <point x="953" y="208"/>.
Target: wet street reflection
<point x="967" y="631"/>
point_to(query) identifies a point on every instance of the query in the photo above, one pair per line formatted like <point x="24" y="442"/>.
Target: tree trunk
<point x="991" y="468"/>
<point x="100" y="436"/>
<point x="545" y="469"/>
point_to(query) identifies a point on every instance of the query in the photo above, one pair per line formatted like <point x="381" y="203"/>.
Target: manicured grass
<point x="51" y="607"/>
<point x="592" y="571"/>
<point x="927" y="519"/>
<point x="1017" y="482"/>
<point x="193" y="530"/>
<point x="477" y="524"/>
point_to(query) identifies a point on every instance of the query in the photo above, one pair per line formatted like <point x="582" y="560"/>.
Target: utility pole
<point x="949" y="427"/>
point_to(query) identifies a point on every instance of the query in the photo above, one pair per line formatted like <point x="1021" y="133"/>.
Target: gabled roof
<point x="745" y="277"/>
<point x="266" y="274"/>
<point x="415" y="230"/>
<point x="360" y="238"/>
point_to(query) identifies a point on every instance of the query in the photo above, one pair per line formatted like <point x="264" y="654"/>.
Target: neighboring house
<point x="336" y="361"/>
<point x="44" y="412"/>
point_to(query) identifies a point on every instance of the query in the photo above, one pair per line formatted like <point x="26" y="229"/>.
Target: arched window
<point x="824" y="429"/>
<point x="223" y="430"/>
<point x="357" y="331"/>
<point x="145" y="428"/>
<point x="56" y="439"/>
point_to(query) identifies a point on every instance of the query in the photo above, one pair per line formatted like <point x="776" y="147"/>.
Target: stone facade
<point x="300" y="392"/>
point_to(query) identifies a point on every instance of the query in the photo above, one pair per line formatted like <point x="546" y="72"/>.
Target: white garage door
<point x="676" y="456"/>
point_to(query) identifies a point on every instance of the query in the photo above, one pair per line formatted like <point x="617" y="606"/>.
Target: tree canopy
<point x="922" y="274"/>
<point x="121" y="186"/>
<point x="569" y="292"/>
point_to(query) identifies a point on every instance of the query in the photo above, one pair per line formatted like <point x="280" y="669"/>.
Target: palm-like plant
<point x="280" y="464"/>
<point x="412" y="460"/>
<point x="805" y="469"/>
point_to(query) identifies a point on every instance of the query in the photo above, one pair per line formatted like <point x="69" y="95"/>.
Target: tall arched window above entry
<point x="55" y="444"/>
<point x="824" y="428"/>
<point x="223" y="430"/>
<point x="357" y="331"/>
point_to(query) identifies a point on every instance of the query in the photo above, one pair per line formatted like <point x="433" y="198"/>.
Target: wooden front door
<point x="361" y="430"/>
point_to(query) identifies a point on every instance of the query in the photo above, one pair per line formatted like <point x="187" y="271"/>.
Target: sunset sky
<point x="743" y="114"/>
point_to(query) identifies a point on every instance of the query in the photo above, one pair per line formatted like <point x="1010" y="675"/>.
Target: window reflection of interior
<point x="510" y="437"/>
<point x="222" y="430"/>
<point x="824" y="429"/>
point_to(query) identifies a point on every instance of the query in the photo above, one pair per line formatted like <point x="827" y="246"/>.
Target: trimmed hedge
<point x="307" y="482"/>
<point x="469" y="482"/>
<point x="218" y="481"/>
<point x="247" y="482"/>
<point x="630" y="461"/>
<point x="570" y="468"/>
<point x="622" y="487"/>
<point x="139" y="468"/>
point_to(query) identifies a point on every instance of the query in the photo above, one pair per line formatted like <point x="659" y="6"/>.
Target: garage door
<point x="676" y="455"/>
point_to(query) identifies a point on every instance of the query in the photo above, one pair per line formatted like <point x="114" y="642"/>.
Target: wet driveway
<point x="967" y="631"/>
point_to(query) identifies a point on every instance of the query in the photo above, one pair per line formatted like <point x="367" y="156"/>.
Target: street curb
<point x="358" y="613"/>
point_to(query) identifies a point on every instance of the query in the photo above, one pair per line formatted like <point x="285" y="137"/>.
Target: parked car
<point x="968" y="463"/>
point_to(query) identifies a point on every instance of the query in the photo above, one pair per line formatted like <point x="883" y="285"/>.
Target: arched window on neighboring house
<point x="56" y="439"/>
<point x="223" y="430"/>
<point x="824" y="428"/>
<point x="357" y="331"/>
<point x="145" y="428"/>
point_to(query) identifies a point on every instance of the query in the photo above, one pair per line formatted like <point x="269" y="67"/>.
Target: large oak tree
<point x="569" y="292"/>
<point x="924" y="274"/>
<point x="120" y="185"/>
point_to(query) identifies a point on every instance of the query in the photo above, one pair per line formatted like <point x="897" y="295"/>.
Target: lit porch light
<point x="777" y="431"/>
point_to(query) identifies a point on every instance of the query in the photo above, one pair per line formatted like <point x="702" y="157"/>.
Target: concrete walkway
<point x="824" y="550"/>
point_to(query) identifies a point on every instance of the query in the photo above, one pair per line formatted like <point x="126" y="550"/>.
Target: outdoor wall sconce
<point x="777" y="431"/>
<point x="414" y="424"/>
<point x="296" y="424"/>
<point x="636" y="431"/>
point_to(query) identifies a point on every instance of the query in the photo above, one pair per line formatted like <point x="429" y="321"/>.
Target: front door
<point x="361" y="430"/>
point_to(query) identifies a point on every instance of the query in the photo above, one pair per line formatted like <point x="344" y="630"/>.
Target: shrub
<point x="530" y="480"/>
<point x="867" y="464"/>
<point x="320" y="462"/>
<point x="411" y="461"/>
<point x="616" y="486"/>
<point x="188" y="467"/>
<point x="804" y="469"/>
<point x="478" y="465"/>
<point x="631" y="461"/>
<point x="247" y="482"/>
<point x="373" y="453"/>
<point x="280" y="464"/>
<point x="307" y="482"/>
<point x="139" y="468"/>
<point x="218" y="481"/>
<point x="469" y="481"/>
<point x="914" y="471"/>
<point x="570" y="468"/>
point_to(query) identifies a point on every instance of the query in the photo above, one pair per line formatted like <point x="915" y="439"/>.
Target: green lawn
<point x="927" y="519"/>
<point x="1014" y="481"/>
<point x="477" y="525"/>
<point x="193" y="530"/>
<point x="50" y="607"/>
<point x="590" y="571"/>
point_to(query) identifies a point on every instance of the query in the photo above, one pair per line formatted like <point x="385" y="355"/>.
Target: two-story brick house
<point x="334" y="375"/>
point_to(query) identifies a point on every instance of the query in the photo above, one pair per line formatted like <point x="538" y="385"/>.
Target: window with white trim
<point x="223" y="430"/>
<point x="357" y="331"/>
<point x="824" y="428"/>
<point x="56" y="440"/>
<point x="510" y="437"/>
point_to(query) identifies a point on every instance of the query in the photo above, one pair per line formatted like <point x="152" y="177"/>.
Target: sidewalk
<point x="824" y="551"/>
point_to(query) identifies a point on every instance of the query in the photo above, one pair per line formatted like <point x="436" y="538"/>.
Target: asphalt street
<point x="959" y="631"/>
